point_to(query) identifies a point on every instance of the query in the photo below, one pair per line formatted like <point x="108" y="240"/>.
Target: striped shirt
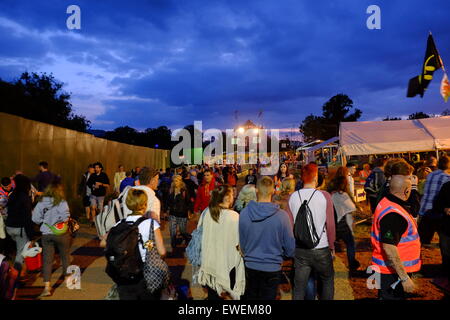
<point x="433" y="184"/>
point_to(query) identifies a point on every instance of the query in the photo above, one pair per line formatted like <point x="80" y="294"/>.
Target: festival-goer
<point x="282" y="199"/>
<point x="222" y="267"/>
<point x="137" y="202"/>
<point x="375" y="182"/>
<point x="344" y="207"/>
<point x="51" y="210"/>
<point x="364" y="173"/>
<point x="430" y="221"/>
<point x="5" y="189"/>
<point x="98" y="183"/>
<point x="179" y="206"/>
<point x="44" y="178"/>
<point x="85" y="192"/>
<point x="118" y="177"/>
<point x="266" y="237"/>
<point x="18" y="222"/>
<point x="320" y="259"/>
<point x="251" y="178"/>
<point x="432" y="163"/>
<point x="247" y="194"/>
<point x="193" y="176"/>
<point x="422" y="174"/>
<point x="351" y="167"/>
<point x="283" y="172"/>
<point x="148" y="179"/>
<point x="204" y="191"/>
<point x="127" y="182"/>
<point x="395" y="241"/>
<point x="399" y="166"/>
<point x="191" y="188"/>
<point x="442" y="206"/>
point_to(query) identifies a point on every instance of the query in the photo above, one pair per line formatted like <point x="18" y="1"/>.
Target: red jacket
<point x="204" y="195"/>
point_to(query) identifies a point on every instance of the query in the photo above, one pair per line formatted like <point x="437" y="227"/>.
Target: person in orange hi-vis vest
<point x="395" y="241"/>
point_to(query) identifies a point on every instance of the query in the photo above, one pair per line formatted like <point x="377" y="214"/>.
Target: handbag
<point x="73" y="226"/>
<point x="156" y="271"/>
<point x="194" y="248"/>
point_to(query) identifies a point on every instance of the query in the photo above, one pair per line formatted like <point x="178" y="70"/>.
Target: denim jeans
<point x="19" y="236"/>
<point x="261" y="285"/>
<point x="318" y="261"/>
<point x="444" y="244"/>
<point x="343" y="232"/>
<point x="181" y="223"/>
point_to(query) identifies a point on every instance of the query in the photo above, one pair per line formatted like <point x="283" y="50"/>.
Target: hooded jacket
<point x="46" y="213"/>
<point x="203" y="196"/>
<point x="265" y="236"/>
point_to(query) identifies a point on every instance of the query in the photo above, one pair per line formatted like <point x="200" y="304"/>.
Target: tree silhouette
<point x="418" y="115"/>
<point x="391" y="118"/>
<point x="334" y="111"/>
<point x="41" y="98"/>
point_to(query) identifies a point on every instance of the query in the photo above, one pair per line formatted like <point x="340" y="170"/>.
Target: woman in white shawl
<point x="222" y="267"/>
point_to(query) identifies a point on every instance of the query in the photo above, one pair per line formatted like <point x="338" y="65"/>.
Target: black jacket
<point x="441" y="202"/>
<point x="19" y="213"/>
<point x="180" y="204"/>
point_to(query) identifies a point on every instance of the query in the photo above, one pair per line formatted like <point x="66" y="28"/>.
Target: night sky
<point x="151" y="63"/>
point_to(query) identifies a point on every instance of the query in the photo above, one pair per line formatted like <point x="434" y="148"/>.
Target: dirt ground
<point x="431" y="257"/>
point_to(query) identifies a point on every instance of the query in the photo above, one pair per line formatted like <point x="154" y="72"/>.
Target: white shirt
<point x="144" y="231"/>
<point x="153" y="203"/>
<point x="318" y="207"/>
<point x="351" y="185"/>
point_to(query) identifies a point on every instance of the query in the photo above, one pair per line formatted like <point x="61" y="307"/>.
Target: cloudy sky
<point x="170" y="62"/>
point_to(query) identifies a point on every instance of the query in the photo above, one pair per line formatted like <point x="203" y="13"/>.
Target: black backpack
<point x="304" y="228"/>
<point x="124" y="262"/>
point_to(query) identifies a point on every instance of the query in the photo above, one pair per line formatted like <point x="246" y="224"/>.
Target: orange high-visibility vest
<point x="408" y="247"/>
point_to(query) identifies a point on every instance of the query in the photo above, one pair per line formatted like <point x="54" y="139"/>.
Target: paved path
<point x="95" y="284"/>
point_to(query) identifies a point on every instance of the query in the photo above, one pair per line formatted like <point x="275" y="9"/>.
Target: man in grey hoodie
<point x="266" y="236"/>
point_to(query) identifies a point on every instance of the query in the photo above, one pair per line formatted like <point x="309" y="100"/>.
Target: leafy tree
<point x="334" y="111"/>
<point x="41" y="98"/>
<point x="391" y="119"/>
<point x="418" y="115"/>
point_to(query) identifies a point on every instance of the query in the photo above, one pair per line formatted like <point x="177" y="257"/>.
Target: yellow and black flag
<point x="432" y="62"/>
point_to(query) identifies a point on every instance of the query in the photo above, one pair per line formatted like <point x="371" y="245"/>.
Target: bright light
<point x="241" y="130"/>
<point x="255" y="130"/>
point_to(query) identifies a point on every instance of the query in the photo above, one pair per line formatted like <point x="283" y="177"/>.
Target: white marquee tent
<point x="385" y="137"/>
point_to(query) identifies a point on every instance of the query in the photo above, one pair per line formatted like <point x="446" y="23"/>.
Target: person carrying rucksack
<point x="374" y="182"/>
<point x="314" y="231"/>
<point x="126" y="247"/>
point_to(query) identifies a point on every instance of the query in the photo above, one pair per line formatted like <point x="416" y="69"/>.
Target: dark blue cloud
<point x="179" y="61"/>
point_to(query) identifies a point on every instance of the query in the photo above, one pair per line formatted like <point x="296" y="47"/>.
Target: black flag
<point x="432" y="62"/>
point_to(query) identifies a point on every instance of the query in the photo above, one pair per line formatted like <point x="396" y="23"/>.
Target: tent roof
<point x="323" y="144"/>
<point x="381" y="137"/>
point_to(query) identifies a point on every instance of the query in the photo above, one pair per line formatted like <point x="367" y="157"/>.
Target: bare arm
<point x="159" y="242"/>
<point x="394" y="259"/>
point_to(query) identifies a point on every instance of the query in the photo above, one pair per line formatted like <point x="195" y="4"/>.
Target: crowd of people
<point x="249" y="234"/>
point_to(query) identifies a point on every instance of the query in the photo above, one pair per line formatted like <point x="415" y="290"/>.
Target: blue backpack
<point x="194" y="248"/>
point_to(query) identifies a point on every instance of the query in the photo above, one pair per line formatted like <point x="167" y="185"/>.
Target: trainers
<point x="46" y="293"/>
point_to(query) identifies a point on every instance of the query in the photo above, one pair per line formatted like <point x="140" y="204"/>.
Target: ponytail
<point x="217" y="196"/>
